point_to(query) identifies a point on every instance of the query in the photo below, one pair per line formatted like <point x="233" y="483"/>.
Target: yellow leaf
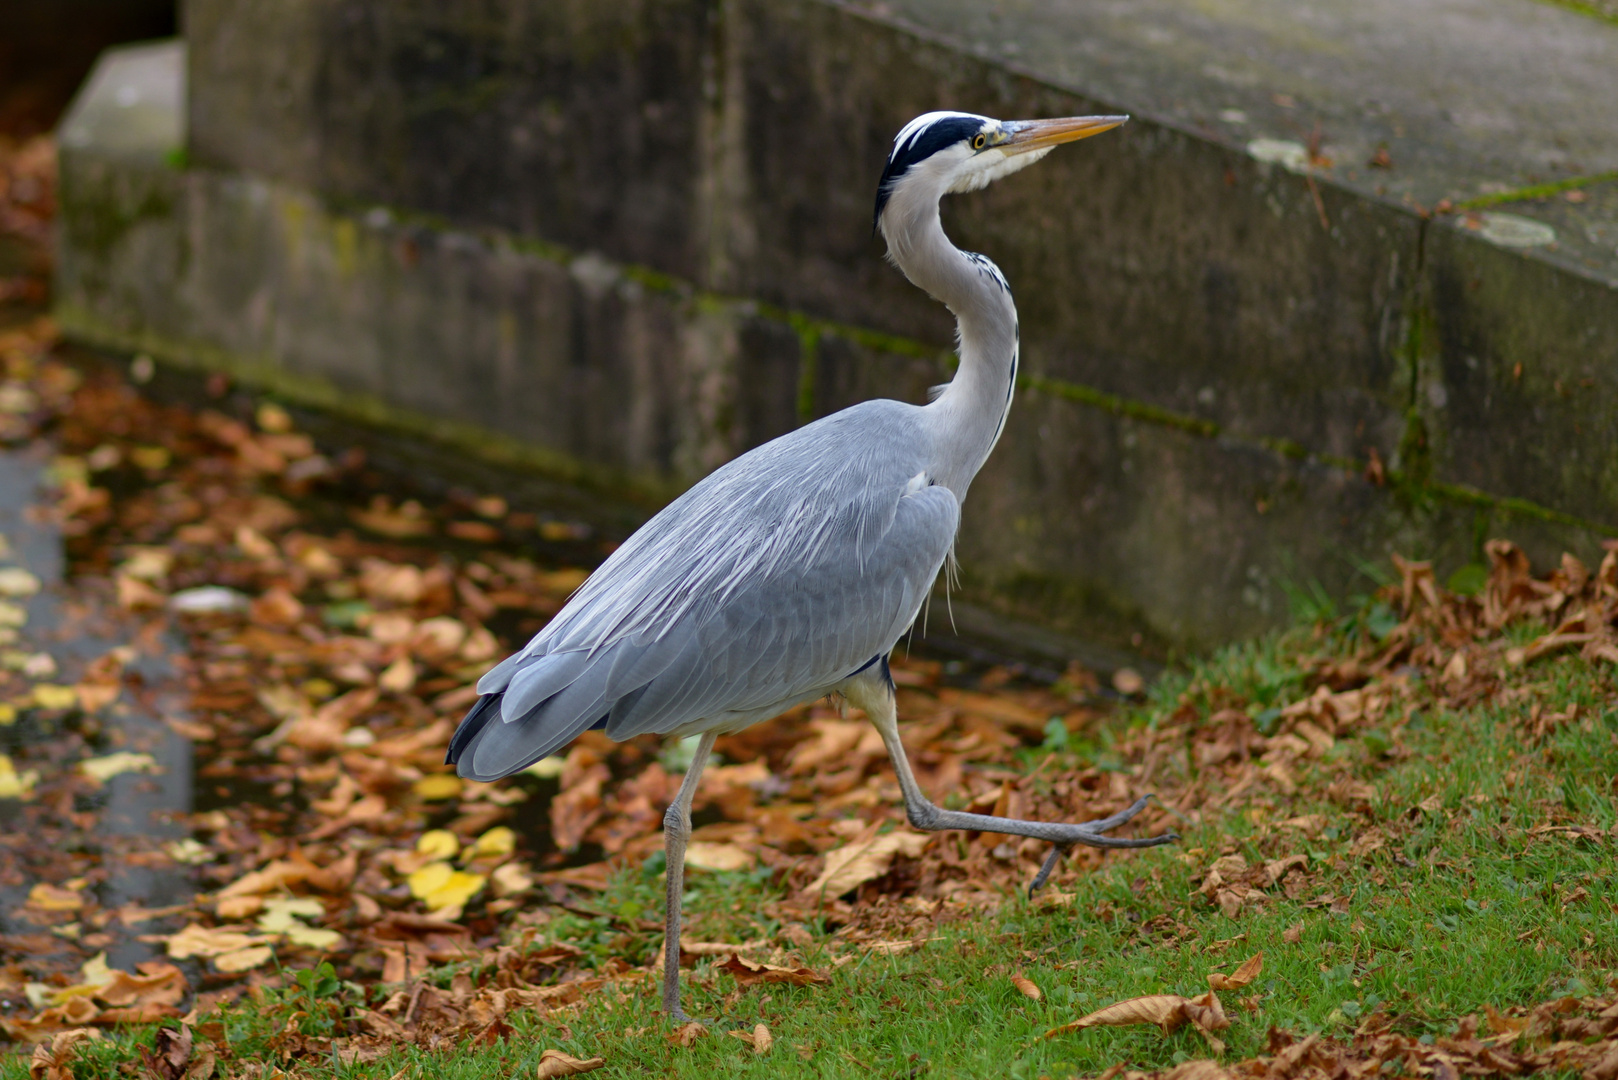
<point x="272" y="418"/>
<point x="102" y="769"/>
<point x="437" y="788"/>
<point x="52" y="696"/>
<point x="154" y="458"/>
<point x="94" y="975"/>
<point x="313" y="938"/>
<point x="188" y="851"/>
<point x="1053" y="898"/>
<point x="547" y="768"/>
<point x="15" y="581"/>
<point x="15" y="785"/>
<point x="243" y="959"/>
<point x="429" y="879"/>
<point x="43" y="897"/>
<point x="134" y="594"/>
<point x="561" y="582"/>
<point x="455" y="890"/>
<point x="281" y="915"/>
<point x="497" y="843"/>
<point x="95" y="971"/>
<point x="438" y="844"/>
<point x="147" y="564"/>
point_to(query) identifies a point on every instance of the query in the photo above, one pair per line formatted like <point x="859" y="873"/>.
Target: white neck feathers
<point x="971" y="411"/>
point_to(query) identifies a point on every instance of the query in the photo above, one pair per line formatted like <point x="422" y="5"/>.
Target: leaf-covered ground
<point x="1398" y="824"/>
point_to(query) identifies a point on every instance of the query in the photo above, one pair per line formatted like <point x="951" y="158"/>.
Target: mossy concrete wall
<point x="633" y="238"/>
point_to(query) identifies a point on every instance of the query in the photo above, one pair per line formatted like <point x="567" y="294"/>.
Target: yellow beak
<point x="1026" y="135"/>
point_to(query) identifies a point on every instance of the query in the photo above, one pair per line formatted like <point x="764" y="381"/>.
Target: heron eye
<point x="977" y="143"/>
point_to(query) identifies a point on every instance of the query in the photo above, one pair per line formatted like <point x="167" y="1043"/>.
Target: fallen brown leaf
<point x="1198" y="1069"/>
<point x="170" y="1052"/>
<point x="748" y="973"/>
<point x="46" y="897"/>
<point x="847" y="868"/>
<point x="1026" y="985"/>
<point x="687" y="1034"/>
<point x="759" y="1038"/>
<point x="1242" y="976"/>
<point x="702" y="855"/>
<point x="556" y="1063"/>
<point x="1167" y="1011"/>
<point x="157" y="984"/>
<point x="54" y="1061"/>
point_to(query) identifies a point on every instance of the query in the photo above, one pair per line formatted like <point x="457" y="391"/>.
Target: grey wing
<point x="792" y="637"/>
<point x="806" y="607"/>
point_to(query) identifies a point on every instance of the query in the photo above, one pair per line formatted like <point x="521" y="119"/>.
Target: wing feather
<point x="766" y="584"/>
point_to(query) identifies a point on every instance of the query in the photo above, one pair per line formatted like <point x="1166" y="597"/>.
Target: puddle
<point x="131" y="815"/>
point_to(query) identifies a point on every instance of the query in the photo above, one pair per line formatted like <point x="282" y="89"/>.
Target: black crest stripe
<point x="945" y="131"/>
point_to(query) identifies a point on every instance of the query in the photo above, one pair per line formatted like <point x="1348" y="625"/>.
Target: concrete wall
<point x="636" y="237"/>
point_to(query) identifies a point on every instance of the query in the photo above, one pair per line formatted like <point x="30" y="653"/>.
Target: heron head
<point x="941" y="153"/>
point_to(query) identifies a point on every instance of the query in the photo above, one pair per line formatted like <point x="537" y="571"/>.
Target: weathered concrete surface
<point x="1219" y="332"/>
<point x="1469" y="96"/>
<point x="577" y="122"/>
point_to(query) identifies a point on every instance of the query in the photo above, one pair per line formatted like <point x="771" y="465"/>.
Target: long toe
<point x="1057" y="851"/>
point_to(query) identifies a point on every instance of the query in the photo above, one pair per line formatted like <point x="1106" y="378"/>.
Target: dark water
<point x="133" y="812"/>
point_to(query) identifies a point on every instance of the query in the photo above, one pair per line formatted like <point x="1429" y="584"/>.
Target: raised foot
<point x="1091" y="833"/>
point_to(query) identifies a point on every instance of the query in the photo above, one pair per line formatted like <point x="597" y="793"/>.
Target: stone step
<point x="625" y="241"/>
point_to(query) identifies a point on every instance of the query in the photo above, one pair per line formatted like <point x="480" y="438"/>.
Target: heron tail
<point x="486" y="748"/>
<point x="529" y="711"/>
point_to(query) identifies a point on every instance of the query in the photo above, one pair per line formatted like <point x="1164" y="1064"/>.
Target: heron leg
<point x="676" y="833"/>
<point x="872" y="691"/>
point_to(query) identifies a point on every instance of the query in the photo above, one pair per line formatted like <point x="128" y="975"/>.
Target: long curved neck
<point x="971" y="412"/>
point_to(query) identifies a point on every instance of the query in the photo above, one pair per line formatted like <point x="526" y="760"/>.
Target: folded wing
<point x="767" y="584"/>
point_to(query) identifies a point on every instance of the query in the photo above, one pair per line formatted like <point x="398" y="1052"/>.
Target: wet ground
<point x="129" y="813"/>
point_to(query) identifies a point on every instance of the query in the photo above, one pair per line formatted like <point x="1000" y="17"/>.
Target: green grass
<point x="1461" y="908"/>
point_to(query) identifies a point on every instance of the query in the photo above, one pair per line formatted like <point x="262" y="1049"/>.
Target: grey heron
<point x="792" y="571"/>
